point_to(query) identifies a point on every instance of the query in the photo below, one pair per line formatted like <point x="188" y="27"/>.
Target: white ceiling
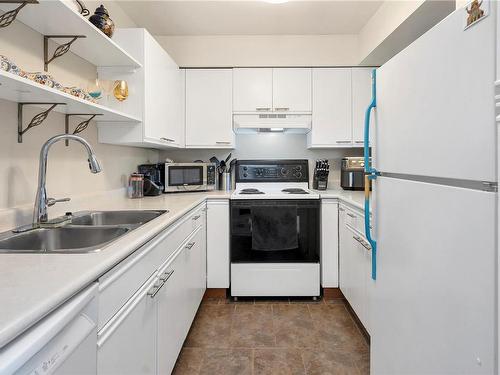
<point x="238" y="17"/>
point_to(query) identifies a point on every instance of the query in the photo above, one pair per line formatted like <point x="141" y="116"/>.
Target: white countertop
<point x="32" y="285"/>
<point x="354" y="198"/>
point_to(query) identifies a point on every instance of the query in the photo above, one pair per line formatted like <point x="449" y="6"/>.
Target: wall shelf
<point x="20" y="90"/>
<point x="56" y="17"/>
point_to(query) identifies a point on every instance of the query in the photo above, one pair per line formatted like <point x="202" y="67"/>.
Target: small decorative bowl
<point x="43" y="79"/>
<point x="9" y="66"/>
<point x="79" y="93"/>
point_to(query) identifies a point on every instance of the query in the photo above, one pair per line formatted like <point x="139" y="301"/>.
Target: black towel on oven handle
<point x="275" y="228"/>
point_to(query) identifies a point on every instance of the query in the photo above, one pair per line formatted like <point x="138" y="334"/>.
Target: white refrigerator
<point x="434" y="202"/>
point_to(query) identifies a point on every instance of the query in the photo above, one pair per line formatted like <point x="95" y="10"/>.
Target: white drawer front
<point x="275" y="279"/>
<point x="355" y="219"/>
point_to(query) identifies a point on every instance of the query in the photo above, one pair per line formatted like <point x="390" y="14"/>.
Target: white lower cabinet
<point x="127" y="343"/>
<point x="329" y="243"/>
<point x="179" y="298"/>
<point x="218" y="263"/>
<point x="172" y="301"/>
<point x="145" y="334"/>
<point x="355" y="264"/>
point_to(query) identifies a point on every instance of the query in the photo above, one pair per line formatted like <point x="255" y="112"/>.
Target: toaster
<point x="352" y="173"/>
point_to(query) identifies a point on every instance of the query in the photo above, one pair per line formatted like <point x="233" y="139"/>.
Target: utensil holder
<point x="225" y="182"/>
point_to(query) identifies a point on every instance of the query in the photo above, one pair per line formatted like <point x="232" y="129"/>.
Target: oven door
<point x="275" y="231"/>
<point x="185" y="177"/>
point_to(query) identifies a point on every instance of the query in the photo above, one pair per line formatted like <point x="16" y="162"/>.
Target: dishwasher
<point x="64" y="342"/>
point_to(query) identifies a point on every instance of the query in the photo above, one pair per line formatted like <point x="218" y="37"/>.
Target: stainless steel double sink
<point x="83" y="232"/>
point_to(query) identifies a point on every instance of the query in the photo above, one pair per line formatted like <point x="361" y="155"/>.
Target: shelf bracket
<point x="35" y="121"/>
<point x="81" y="126"/>
<point x="8" y="17"/>
<point x="60" y="50"/>
<point x="83" y="9"/>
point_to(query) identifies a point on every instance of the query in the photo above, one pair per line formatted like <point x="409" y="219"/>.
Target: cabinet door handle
<point x="263" y="109"/>
<point x="281" y="109"/>
<point x="196" y="217"/>
<point x="359" y="141"/>
<point x="341" y="209"/>
<point x="352" y="215"/>
<point x="164" y="278"/>
<point x="362" y="242"/>
<point x="168" y="140"/>
<point x="343" y="142"/>
<point x="223" y="142"/>
<point x="190" y="245"/>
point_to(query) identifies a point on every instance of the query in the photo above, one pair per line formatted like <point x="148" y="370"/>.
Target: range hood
<point x="272" y="122"/>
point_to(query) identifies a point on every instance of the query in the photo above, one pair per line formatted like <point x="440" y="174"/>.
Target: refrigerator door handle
<point x="370" y="174"/>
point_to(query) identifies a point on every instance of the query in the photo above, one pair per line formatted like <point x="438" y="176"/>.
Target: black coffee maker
<point x="154" y="177"/>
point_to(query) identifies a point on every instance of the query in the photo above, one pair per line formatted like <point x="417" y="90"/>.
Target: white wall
<point x="68" y="173"/>
<point x="381" y="37"/>
<point x="386" y="19"/>
<point x="262" y="50"/>
<point x="272" y="146"/>
<point x="396" y="25"/>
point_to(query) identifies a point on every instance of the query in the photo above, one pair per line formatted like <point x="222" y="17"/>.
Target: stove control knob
<point x="245" y="175"/>
<point x="285" y="171"/>
<point x="245" y="168"/>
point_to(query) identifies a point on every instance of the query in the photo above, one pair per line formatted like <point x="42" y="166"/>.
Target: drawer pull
<point x="281" y="109"/>
<point x="167" y="140"/>
<point x="352" y="215"/>
<point x="263" y="109"/>
<point x="163" y="278"/>
<point x="362" y="242"/>
<point x="343" y="142"/>
<point x="196" y="217"/>
<point x="223" y="142"/>
<point x="190" y="245"/>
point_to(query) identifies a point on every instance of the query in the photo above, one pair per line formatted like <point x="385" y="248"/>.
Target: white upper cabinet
<point x="292" y="89"/>
<point x="155" y="95"/>
<point x="361" y="98"/>
<point x="272" y="89"/>
<point x="331" y="109"/>
<point x="340" y="99"/>
<point x="162" y="96"/>
<point x="209" y="106"/>
<point x="252" y="89"/>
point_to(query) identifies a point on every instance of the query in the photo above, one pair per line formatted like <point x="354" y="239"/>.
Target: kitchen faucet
<point x="42" y="202"/>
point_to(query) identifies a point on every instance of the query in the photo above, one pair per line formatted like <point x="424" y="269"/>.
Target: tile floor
<point x="273" y="337"/>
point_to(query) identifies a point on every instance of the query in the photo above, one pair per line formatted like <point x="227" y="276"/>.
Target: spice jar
<point x="136" y="185"/>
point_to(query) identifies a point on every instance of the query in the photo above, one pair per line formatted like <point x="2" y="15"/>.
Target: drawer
<point x="358" y="236"/>
<point x="198" y="217"/>
<point x="121" y="282"/>
<point x="355" y="219"/>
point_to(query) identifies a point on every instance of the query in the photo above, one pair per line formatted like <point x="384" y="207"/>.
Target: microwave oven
<point x="182" y="177"/>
